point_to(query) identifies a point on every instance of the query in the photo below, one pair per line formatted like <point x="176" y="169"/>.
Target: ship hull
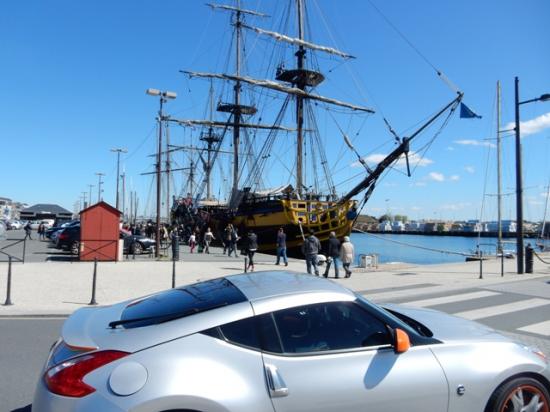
<point x="296" y="217"/>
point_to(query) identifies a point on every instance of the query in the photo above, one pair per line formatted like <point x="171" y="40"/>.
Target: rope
<point x="539" y="258"/>
<point x="448" y="252"/>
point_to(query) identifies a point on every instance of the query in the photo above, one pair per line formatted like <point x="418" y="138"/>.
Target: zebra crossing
<point x="504" y="310"/>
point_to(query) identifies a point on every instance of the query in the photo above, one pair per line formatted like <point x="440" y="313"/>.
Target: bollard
<point x="481" y="264"/>
<point x="245" y="264"/>
<point x="24" y="248"/>
<point x="175" y="246"/>
<point x="528" y="258"/>
<point x="133" y="251"/>
<point x="93" y="302"/>
<point x="8" y="301"/>
<point x="173" y="273"/>
<point x="502" y="263"/>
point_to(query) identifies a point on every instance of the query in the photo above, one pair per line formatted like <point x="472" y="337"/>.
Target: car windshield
<point x="179" y="302"/>
<point x="409" y="327"/>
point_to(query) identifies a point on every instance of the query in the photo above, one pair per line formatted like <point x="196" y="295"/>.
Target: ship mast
<point x="300" y="56"/>
<point x="237" y="112"/>
<point x="499" y="175"/>
<point x="236" y="108"/>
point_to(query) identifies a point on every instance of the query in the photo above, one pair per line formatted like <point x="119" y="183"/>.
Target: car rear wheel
<point x="75" y="247"/>
<point x="520" y="395"/>
<point x="137" y="248"/>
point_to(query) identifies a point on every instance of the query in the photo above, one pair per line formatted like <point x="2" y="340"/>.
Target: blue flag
<point x="467" y="113"/>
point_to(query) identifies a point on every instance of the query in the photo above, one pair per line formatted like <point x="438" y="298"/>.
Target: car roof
<point x="272" y="284"/>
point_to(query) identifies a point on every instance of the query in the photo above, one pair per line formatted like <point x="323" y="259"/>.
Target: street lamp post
<point x="99" y="175"/>
<point x="164" y="96"/>
<point x="118" y="151"/>
<point x="519" y="178"/>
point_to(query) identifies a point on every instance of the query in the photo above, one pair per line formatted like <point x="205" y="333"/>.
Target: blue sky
<point x="74" y="76"/>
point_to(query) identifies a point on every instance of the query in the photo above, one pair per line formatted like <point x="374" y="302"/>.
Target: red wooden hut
<point x="99" y="232"/>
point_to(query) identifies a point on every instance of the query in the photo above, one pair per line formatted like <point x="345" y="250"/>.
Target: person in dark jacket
<point x="310" y="249"/>
<point x="28" y="231"/>
<point x="251" y="245"/>
<point x="281" y="247"/>
<point x="333" y="255"/>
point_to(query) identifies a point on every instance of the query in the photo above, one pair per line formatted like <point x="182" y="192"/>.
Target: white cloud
<point x="418" y="184"/>
<point x="536" y="202"/>
<point x="416" y="208"/>
<point x="471" y="142"/>
<point x="545" y="194"/>
<point x="538" y="124"/>
<point x="438" y="177"/>
<point x="470" y="169"/>
<point x="414" y="160"/>
<point x="455" y="178"/>
<point x="450" y="148"/>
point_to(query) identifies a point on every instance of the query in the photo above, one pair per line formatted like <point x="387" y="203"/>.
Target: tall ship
<point x="280" y="175"/>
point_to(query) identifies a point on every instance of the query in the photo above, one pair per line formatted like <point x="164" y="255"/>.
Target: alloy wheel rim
<point x="525" y="398"/>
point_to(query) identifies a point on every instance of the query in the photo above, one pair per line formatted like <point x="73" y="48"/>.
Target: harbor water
<point x="423" y="249"/>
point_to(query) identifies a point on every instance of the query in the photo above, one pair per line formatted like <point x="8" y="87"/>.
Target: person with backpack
<point x="310" y="249"/>
<point x="28" y="231"/>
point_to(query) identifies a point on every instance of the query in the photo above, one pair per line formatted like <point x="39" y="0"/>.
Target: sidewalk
<point x="59" y="288"/>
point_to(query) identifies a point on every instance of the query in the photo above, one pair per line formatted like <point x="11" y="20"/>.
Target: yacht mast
<point x="300" y="102"/>
<point x="499" y="174"/>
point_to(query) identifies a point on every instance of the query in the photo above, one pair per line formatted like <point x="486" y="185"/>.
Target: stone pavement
<point x="54" y="288"/>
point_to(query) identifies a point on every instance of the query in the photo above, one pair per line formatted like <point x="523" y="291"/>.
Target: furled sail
<point x="231" y="8"/>
<point x="214" y="123"/>
<point x="279" y="87"/>
<point x="299" y="42"/>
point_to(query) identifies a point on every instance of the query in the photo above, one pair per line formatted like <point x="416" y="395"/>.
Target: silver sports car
<point x="281" y="341"/>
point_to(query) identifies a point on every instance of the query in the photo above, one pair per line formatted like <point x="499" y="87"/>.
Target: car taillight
<point x="66" y="379"/>
<point x="63" y="236"/>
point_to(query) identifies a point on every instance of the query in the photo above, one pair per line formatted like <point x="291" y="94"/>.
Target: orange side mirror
<point x="402" y="342"/>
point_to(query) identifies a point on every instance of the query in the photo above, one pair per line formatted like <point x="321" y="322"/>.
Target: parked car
<point x="136" y="244"/>
<point x="14" y="225"/>
<point x="69" y="239"/>
<point x="47" y="222"/>
<point x="63" y="224"/>
<point x="281" y="341"/>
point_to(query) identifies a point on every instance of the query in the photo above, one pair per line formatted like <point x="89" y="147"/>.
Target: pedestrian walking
<point x="192" y="242"/>
<point x="333" y="255"/>
<point x="251" y="245"/>
<point x="227" y="237"/>
<point x="41" y="230"/>
<point x="28" y="231"/>
<point x="310" y="249"/>
<point x="347" y="254"/>
<point x="208" y="237"/>
<point x="233" y="239"/>
<point x="281" y="247"/>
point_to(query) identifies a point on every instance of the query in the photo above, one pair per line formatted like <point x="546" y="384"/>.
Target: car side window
<point x="255" y="332"/>
<point x="329" y="326"/>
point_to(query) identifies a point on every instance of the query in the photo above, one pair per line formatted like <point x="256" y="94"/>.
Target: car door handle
<point x="277" y="386"/>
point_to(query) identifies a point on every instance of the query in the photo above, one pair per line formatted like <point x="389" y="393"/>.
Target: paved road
<point x="520" y="310"/>
<point x="36" y="250"/>
<point x="25" y="344"/>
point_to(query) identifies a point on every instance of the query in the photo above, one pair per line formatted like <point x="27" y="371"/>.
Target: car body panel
<point x="88" y="327"/>
<point x="487" y="363"/>
<point x="371" y="379"/>
<point x="197" y="372"/>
